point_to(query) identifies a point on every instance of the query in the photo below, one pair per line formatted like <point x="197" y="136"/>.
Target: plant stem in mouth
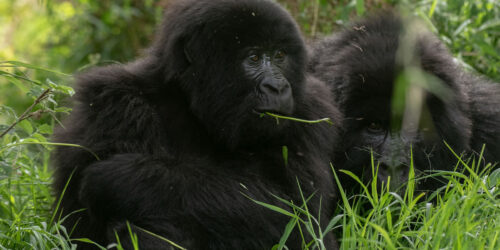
<point x="327" y="120"/>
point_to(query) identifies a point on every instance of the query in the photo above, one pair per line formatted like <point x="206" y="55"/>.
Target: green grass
<point x="464" y="214"/>
<point x="26" y="218"/>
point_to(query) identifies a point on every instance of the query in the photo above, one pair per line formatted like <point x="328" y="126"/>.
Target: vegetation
<point x="41" y="39"/>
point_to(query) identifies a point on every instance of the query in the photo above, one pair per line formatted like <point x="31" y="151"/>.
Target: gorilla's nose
<point x="278" y="96"/>
<point x="275" y="87"/>
<point x="397" y="172"/>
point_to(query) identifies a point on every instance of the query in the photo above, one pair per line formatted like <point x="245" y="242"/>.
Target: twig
<point x="19" y="77"/>
<point x="315" y="18"/>
<point x="26" y="113"/>
<point x="50" y="144"/>
<point x="327" y="120"/>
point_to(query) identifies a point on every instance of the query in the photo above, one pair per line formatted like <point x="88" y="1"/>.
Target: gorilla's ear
<point x="192" y="45"/>
<point x="179" y="55"/>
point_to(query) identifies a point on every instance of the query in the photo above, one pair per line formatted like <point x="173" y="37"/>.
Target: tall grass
<point x="463" y="214"/>
<point x="26" y="220"/>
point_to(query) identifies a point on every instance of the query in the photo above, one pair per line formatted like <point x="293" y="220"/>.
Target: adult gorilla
<point x="181" y="140"/>
<point x="365" y="63"/>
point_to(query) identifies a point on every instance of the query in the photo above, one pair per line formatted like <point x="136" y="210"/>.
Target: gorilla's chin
<point x="252" y="131"/>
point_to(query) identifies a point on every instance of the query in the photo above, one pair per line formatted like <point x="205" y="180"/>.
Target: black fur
<point x="361" y="65"/>
<point x="179" y="140"/>
<point x="484" y="97"/>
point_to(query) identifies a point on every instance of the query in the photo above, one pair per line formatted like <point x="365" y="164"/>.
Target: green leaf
<point x="45" y="129"/>
<point x="272" y="207"/>
<point x="8" y="74"/>
<point x="332" y="223"/>
<point x="461" y="28"/>
<point x="39" y="137"/>
<point x="285" y="155"/>
<point x="489" y="24"/>
<point x="433" y="7"/>
<point x="62" y="110"/>
<point x="494" y="179"/>
<point x="487" y="48"/>
<point x="26" y="126"/>
<point x="288" y="230"/>
<point x="398" y="104"/>
<point x="60" y="88"/>
<point x="360" y="7"/>
<point x="31" y="66"/>
<point x="17" y="82"/>
<point x="384" y="234"/>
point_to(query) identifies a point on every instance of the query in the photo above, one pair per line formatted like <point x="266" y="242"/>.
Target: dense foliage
<point x="69" y="36"/>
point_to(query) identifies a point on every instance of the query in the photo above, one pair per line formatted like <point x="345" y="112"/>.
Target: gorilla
<point x="183" y="149"/>
<point x="367" y="65"/>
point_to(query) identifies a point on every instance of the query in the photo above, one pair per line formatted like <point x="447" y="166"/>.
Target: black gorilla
<point x="181" y="139"/>
<point x="364" y="65"/>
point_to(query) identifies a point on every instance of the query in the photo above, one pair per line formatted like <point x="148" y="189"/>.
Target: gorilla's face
<point x="375" y="128"/>
<point x="245" y="62"/>
<point x="373" y="131"/>
<point x="273" y="90"/>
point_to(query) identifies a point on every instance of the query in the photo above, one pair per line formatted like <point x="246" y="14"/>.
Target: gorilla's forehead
<point x="367" y="105"/>
<point x="229" y="25"/>
<point x="373" y="80"/>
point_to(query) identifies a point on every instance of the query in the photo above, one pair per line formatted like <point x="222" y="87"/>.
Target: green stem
<point x="50" y="144"/>
<point x="327" y="120"/>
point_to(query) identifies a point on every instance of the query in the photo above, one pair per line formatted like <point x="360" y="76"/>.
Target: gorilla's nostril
<point x="276" y="99"/>
<point x="386" y="168"/>
<point x="274" y="87"/>
<point x="269" y="88"/>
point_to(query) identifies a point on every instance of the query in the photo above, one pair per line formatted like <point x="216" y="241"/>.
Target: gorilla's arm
<point x="130" y="186"/>
<point x="124" y="185"/>
<point x="189" y="193"/>
<point x="110" y="115"/>
<point x="134" y="186"/>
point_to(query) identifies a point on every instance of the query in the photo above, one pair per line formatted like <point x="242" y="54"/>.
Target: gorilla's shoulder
<point x="106" y="81"/>
<point x="113" y="76"/>
<point x="318" y="92"/>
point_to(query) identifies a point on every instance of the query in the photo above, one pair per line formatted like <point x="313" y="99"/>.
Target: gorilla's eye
<point x="254" y="58"/>
<point x="375" y="127"/>
<point x="280" y="54"/>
